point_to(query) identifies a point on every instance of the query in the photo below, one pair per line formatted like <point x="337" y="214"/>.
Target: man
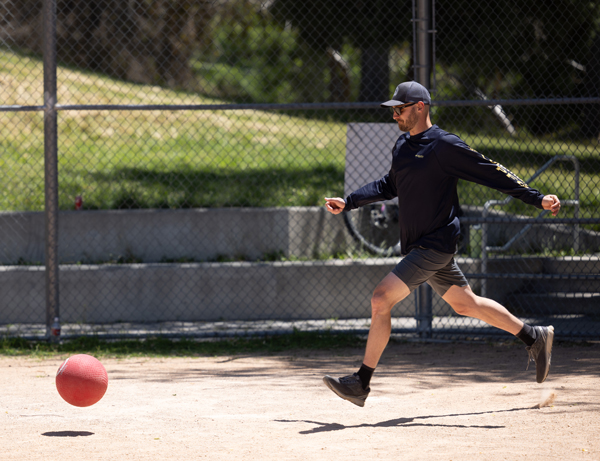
<point x="426" y="165"/>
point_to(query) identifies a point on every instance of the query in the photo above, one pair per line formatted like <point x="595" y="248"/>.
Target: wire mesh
<point x="198" y="139"/>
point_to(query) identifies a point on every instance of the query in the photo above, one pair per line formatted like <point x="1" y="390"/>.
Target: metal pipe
<point x="433" y="32"/>
<point x="484" y="255"/>
<point x="22" y="108"/>
<point x="484" y="234"/>
<point x="424" y="310"/>
<point x="515" y="219"/>
<point x="576" y="228"/>
<point x="423" y="58"/>
<point x="517" y="236"/>
<point x="414" y="41"/>
<point x="516" y="102"/>
<point x="485" y="249"/>
<point x="532" y="276"/>
<point x="301" y="106"/>
<point x="51" y="169"/>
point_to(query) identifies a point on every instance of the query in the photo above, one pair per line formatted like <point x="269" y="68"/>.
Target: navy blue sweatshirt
<point x="424" y="175"/>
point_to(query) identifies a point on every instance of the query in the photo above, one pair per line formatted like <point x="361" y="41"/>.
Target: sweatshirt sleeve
<point x="456" y="158"/>
<point x="376" y="191"/>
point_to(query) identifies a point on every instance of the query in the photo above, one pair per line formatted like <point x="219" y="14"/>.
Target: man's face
<point x="408" y="117"/>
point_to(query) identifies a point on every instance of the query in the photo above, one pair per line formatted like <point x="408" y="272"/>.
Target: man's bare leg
<point x="390" y="291"/>
<point x="467" y="303"/>
<point x="538" y="339"/>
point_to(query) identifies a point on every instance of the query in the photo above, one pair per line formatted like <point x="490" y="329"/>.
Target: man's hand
<point x="551" y="202"/>
<point x="335" y="205"/>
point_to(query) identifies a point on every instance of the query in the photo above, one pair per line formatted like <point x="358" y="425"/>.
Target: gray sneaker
<point x="541" y="352"/>
<point x="349" y="388"/>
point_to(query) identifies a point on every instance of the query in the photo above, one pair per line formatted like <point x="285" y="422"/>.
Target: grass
<point x="160" y="159"/>
<point x="163" y="347"/>
<point x="177" y="159"/>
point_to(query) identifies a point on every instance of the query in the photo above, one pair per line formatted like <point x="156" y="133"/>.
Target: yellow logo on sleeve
<point x="504" y="170"/>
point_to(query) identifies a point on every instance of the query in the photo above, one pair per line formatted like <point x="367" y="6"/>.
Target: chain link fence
<point x="195" y="141"/>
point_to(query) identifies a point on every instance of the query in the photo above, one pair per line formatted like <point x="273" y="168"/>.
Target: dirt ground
<point x="428" y="402"/>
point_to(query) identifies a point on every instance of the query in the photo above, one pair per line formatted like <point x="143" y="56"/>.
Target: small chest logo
<point x="419" y="156"/>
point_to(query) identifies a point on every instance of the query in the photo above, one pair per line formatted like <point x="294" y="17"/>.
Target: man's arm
<point x="458" y="159"/>
<point x="376" y="191"/>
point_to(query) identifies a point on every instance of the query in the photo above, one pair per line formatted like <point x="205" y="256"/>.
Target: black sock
<point x="365" y="373"/>
<point x="527" y="335"/>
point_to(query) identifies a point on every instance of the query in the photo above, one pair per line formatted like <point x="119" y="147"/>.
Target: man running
<point x="427" y="163"/>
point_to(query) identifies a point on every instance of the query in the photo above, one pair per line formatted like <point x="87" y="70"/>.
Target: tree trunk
<point x="339" y="77"/>
<point x="591" y="122"/>
<point x="375" y="74"/>
<point x="311" y="85"/>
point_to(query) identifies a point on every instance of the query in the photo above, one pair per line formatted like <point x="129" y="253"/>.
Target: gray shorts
<point x="434" y="267"/>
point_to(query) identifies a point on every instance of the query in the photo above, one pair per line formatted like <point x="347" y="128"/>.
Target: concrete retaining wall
<point x="198" y="291"/>
<point x="217" y="233"/>
<point x="158" y="235"/>
<point x="227" y="291"/>
<point x="208" y="291"/>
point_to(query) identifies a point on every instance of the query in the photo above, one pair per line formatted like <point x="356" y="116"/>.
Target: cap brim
<point x="391" y="103"/>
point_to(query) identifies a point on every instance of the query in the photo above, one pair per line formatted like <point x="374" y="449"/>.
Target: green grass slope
<point x="175" y="159"/>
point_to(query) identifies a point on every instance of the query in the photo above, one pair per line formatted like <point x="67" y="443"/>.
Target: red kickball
<point x="81" y="380"/>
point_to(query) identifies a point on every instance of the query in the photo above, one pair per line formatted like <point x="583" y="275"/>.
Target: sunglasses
<point x="398" y="109"/>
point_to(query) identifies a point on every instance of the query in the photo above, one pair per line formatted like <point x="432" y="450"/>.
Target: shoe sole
<point x="549" y="342"/>
<point x="354" y="400"/>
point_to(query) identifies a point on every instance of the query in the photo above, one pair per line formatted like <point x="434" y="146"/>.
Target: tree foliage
<point x="516" y="49"/>
<point x="145" y="41"/>
<point x="372" y="26"/>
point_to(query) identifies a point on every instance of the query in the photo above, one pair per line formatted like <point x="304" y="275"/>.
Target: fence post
<point x="424" y="310"/>
<point x="50" y="168"/>
<point x="422" y="42"/>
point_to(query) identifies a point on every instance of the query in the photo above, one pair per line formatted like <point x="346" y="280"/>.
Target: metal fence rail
<point x="164" y="174"/>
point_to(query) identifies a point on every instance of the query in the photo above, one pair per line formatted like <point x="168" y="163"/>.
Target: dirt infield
<point x="429" y="402"/>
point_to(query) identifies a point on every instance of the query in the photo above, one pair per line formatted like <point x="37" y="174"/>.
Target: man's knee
<point x="380" y="302"/>
<point x="390" y="291"/>
<point x="465" y="305"/>
<point x="461" y="308"/>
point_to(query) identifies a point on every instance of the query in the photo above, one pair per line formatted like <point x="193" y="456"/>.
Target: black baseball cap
<point x="408" y="92"/>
